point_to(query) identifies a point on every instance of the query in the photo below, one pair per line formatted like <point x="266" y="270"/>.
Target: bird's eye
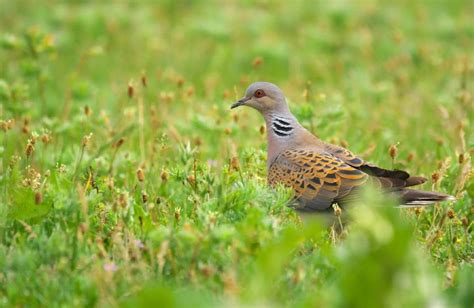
<point x="259" y="93"/>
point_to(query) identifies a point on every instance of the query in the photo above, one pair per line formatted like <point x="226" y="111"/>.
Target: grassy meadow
<point x="126" y="180"/>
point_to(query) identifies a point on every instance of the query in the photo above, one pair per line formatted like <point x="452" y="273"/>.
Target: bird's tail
<point x="417" y="198"/>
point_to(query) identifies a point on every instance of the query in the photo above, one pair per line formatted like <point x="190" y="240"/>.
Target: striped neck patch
<point x="282" y="127"/>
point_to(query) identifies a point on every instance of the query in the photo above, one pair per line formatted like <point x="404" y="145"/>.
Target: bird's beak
<point x="240" y="102"/>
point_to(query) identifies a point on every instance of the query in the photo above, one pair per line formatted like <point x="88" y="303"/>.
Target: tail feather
<point x="415" y="180"/>
<point x="414" y="198"/>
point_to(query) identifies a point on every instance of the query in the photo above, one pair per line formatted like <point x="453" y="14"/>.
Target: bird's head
<point x="263" y="96"/>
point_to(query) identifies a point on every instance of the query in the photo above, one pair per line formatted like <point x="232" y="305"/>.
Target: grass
<point x="126" y="180"/>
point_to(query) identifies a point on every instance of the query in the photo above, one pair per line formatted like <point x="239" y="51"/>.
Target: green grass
<point x="126" y="180"/>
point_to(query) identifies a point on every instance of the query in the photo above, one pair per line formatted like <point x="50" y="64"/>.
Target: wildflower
<point x="110" y="267"/>
<point x="139" y="244"/>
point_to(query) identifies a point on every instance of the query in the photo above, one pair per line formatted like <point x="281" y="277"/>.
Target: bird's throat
<point x="280" y="129"/>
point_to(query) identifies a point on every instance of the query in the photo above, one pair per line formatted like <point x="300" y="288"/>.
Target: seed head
<point x="87" y="110"/>
<point x="190" y="91"/>
<point x="257" y="62"/>
<point x="14" y="160"/>
<point x="86" y="139"/>
<point x="130" y="90"/>
<point x="439" y="141"/>
<point x="461" y="158"/>
<point x="234" y="163"/>
<point x="38" y="198"/>
<point x="212" y="218"/>
<point x="306" y="94"/>
<point x="435" y="177"/>
<point x="337" y="210"/>
<point x="207" y="270"/>
<point x="61" y="168"/>
<point x="164" y="176"/>
<point x="451" y="214"/>
<point x="410" y="156"/>
<point x="393" y="151"/>
<point x="191" y="179"/>
<point x="30" y="149"/>
<point x="140" y="175"/>
<point x="227" y="130"/>
<point x="465" y="221"/>
<point x="321" y="97"/>
<point x="119" y="143"/>
<point x="198" y="141"/>
<point x="262" y="130"/>
<point x="144" y="197"/>
<point x="177" y="214"/>
<point x="46" y="138"/>
<point x="226" y="94"/>
<point x="4" y="126"/>
<point x="10" y="123"/>
<point x="180" y="81"/>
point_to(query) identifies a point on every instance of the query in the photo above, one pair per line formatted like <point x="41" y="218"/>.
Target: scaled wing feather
<point x="318" y="179"/>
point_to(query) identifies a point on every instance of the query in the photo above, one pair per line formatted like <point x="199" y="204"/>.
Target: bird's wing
<point x="352" y="160"/>
<point x="344" y="154"/>
<point x="318" y="179"/>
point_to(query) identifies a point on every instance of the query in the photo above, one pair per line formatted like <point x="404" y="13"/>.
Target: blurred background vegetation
<point x="126" y="180"/>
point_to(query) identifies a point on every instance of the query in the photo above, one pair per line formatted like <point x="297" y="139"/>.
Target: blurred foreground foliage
<point x="125" y="180"/>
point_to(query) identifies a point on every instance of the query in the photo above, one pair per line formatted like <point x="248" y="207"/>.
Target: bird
<point x="322" y="174"/>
